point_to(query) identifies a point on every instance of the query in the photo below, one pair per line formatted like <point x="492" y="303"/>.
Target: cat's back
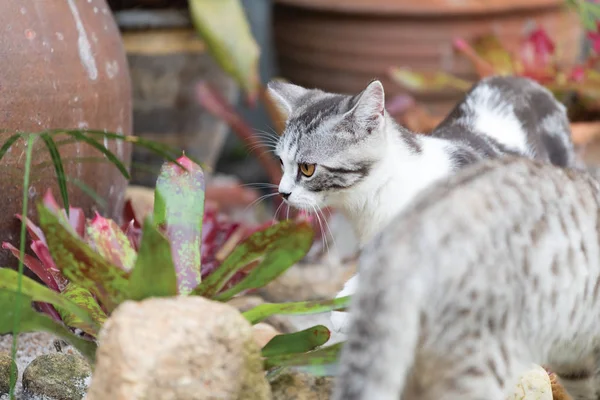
<point x="511" y="115"/>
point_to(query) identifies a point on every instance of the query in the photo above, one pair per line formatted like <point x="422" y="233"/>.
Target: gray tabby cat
<point x="348" y="153"/>
<point x="476" y="280"/>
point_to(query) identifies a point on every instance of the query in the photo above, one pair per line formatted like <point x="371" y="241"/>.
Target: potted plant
<point x="340" y="45"/>
<point x="63" y="66"/>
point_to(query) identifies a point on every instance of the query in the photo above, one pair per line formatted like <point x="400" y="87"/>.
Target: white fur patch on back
<point x="490" y="114"/>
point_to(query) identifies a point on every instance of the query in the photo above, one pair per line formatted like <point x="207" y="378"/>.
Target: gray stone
<point x="57" y="376"/>
<point x="300" y="386"/>
<point x="5" y="363"/>
<point x="184" y="348"/>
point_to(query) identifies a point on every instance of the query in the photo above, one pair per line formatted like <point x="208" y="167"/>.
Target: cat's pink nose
<point x="285" y="195"/>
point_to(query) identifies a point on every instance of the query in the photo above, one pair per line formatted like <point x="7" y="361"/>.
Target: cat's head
<point x="330" y="142"/>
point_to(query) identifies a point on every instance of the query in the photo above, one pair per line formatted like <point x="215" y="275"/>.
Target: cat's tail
<point x="384" y="327"/>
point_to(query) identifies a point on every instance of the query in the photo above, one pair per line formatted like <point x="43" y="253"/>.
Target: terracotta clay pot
<point x="63" y="66"/>
<point x="340" y="45"/>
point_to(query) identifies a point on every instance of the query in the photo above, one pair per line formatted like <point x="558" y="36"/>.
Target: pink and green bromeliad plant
<point x="90" y="266"/>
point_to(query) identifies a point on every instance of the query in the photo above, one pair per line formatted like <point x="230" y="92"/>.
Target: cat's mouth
<point x="300" y="205"/>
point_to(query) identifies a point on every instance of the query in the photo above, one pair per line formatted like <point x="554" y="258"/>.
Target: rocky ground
<point x="160" y="349"/>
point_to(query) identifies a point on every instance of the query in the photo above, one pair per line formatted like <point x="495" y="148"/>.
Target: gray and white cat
<point x="348" y="153"/>
<point x="478" y="278"/>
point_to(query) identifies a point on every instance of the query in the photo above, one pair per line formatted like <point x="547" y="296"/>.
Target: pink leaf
<point x="594" y="38"/>
<point x="35" y="266"/>
<point x="50" y="202"/>
<point x="577" y="74"/>
<point x="134" y="234"/>
<point x="77" y="220"/>
<point x="218" y="106"/>
<point x="49" y="310"/>
<point x="34" y="231"/>
<point x="107" y="238"/>
<point x="543" y="46"/>
<point x="41" y="250"/>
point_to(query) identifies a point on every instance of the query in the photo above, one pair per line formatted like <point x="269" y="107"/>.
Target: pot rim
<point x="137" y="20"/>
<point x="429" y="8"/>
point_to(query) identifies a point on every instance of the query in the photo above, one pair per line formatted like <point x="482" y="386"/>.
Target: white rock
<point x="185" y="348"/>
<point x="533" y="385"/>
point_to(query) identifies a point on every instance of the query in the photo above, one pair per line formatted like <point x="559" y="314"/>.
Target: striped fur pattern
<point x="370" y="168"/>
<point x="479" y="277"/>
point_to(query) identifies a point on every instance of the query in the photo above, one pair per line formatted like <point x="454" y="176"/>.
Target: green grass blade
<point x="297" y="342"/>
<point x="109" y="154"/>
<point x="18" y="304"/>
<point x="59" y="168"/>
<point x="264" y="311"/>
<point x="102" y="204"/>
<point x="167" y="152"/>
<point x="8" y="144"/>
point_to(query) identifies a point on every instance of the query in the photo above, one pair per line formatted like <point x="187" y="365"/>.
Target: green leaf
<point x="18" y="305"/>
<point x="278" y="247"/>
<point x="297" y="342"/>
<point x="84" y="299"/>
<point x="8" y="143"/>
<point x="82" y="265"/>
<point x="32" y="321"/>
<point x="179" y="209"/>
<point x="111" y="157"/>
<point x="85" y="188"/>
<point x="264" y="311"/>
<point x="109" y="240"/>
<point x="169" y="153"/>
<point x="37" y="292"/>
<point x="58" y="167"/>
<point x="278" y="239"/>
<point x="427" y="81"/>
<point x="154" y="260"/>
<point x="489" y="48"/>
<point x="223" y="26"/>
<point x="316" y="361"/>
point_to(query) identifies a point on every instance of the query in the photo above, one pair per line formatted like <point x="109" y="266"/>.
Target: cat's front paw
<point x="340" y="319"/>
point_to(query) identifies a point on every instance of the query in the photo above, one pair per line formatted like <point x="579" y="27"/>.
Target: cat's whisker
<point x="276" y="212"/>
<point x="261" y="198"/>
<point x="327" y="226"/>
<point x="323" y="238"/>
<point x="267" y="138"/>
<point x="271" y="148"/>
<point x="261" y="185"/>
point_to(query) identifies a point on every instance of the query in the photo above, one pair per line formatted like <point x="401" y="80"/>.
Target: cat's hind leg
<point x="579" y="379"/>
<point x="465" y="378"/>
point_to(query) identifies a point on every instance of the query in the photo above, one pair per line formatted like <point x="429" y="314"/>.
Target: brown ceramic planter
<point x="62" y="65"/>
<point x="340" y="45"/>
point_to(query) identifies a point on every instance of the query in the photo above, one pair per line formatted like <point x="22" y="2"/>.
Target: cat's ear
<point x="369" y="108"/>
<point x="285" y="95"/>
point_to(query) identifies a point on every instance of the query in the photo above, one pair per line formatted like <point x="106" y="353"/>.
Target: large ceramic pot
<point x="340" y="45"/>
<point x="62" y="65"/>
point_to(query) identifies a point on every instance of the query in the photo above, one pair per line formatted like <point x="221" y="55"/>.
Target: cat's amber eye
<point x="307" y="169"/>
